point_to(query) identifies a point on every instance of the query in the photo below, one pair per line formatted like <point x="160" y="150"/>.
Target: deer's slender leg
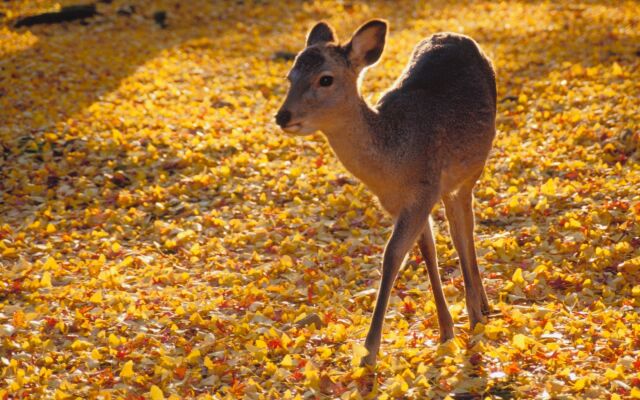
<point x="475" y="272"/>
<point x="459" y="210"/>
<point x="409" y="225"/>
<point x="428" y="249"/>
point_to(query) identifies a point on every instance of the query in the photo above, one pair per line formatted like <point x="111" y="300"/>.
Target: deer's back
<point x="447" y="63"/>
<point x="444" y="103"/>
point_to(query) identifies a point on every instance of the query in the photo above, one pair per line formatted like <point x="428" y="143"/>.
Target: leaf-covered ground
<point x="161" y="238"/>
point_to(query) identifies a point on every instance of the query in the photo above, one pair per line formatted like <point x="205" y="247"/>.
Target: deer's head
<point x="324" y="77"/>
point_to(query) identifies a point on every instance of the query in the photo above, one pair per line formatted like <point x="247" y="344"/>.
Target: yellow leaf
<point x="51" y="228"/>
<point x="324" y="352"/>
<point x="517" y="277"/>
<point x="549" y="188"/>
<point x="285" y="340"/>
<point x="635" y="393"/>
<point x="208" y="363"/>
<point x="113" y="340"/>
<point x="572" y="224"/>
<point x="95" y="354"/>
<point x="580" y="384"/>
<point x="520" y="341"/>
<point x="195" y="249"/>
<point x="96" y="297"/>
<point x="156" y="393"/>
<point x="311" y="375"/>
<point x="611" y="374"/>
<point x="287" y="361"/>
<point x="270" y="368"/>
<point x="180" y="310"/>
<point x="194" y="356"/>
<point x="399" y="386"/>
<point x="50" y="264"/>
<point x="45" y="281"/>
<point x="286" y="261"/>
<point x="479" y="329"/>
<point x="225" y="170"/>
<point x="127" y="370"/>
<point x="577" y="70"/>
<point x="359" y="351"/>
<point x="448" y="348"/>
<point x="359" y="372"/>
<point x="196" y="319"/>
<point x="9" y="252"/>
<point x="616" y="69"/>
<point x="80" y="345"/>
<point x="493" y="329"/>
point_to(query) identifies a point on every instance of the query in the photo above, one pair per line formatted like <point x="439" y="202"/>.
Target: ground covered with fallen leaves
<point x="161" y="238"/>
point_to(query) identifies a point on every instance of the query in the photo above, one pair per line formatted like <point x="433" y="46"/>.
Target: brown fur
<point x="427" y="139"/>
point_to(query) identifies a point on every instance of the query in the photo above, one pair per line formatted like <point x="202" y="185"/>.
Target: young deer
<point x="427" y="139"/>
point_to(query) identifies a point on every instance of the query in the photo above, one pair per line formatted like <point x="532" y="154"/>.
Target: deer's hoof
<point x="445" y="336"/>
<point x="487" y="310"/>
<point x="368" y="361"/>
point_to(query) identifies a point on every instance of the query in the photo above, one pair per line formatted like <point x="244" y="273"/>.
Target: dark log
<point x="161" y="18"/>
<point x="284" y="55"/>
<point x="69" y="13"/>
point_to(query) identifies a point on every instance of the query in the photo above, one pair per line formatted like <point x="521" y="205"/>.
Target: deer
<point x="427" y="139"/>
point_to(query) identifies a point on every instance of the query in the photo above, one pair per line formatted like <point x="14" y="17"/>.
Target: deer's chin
<point x="298" y="129"/>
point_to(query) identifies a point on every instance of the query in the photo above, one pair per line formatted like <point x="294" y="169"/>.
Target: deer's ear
<point x="366" y="45"/>
<point x="320" y="33"/>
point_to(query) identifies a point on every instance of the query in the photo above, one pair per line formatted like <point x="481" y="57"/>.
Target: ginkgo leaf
<point x="521" y="341"/>
<point x="127" y="370"/>
<point x="155" y="393"/>
<point x="517" y="277"/>
<point x="45" y="280"/>
<point x="194" y="356"/>
<point x="50" y="264"/>
<point x="549" y="188"/>
<point x="359" y="351"/>
<point x="311" y="375"/>
<point x="96" y="297"/>
<point x="398" y="387"/>
<point x="287" y="361"/>
<point x="580" y="384"/>
<point x="114" y="341"/>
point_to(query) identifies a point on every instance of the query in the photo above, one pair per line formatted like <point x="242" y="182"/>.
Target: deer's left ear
<point x="366" y="45"/>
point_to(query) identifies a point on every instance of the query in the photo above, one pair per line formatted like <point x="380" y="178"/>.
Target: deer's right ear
<point x="366" y="45"/>
<point x="320" y="33"/>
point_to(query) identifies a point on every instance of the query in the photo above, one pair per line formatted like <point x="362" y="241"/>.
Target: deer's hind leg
<point x="459" y="210"/>
<point x="428" y="249"/>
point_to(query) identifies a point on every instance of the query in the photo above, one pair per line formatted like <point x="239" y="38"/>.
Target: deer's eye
<point x="326" y="80"/>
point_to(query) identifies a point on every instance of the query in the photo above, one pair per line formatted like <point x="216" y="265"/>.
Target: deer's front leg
<point x="408" y="226"/>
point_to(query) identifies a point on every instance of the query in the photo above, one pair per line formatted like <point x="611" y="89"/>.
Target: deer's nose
<point x="283" y="117"/>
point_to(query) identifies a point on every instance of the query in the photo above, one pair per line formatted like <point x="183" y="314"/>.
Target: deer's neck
<point x="353" y="139"/>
